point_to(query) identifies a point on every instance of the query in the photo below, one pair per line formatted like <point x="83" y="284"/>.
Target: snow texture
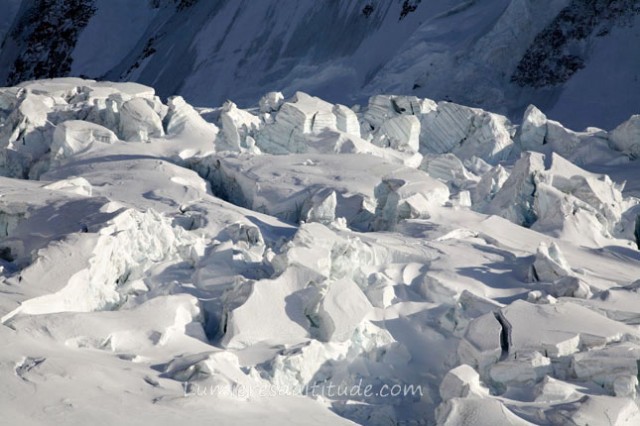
<point x="151" y="252"/>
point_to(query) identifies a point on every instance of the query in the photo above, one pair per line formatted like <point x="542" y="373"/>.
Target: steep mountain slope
<point x="498" y="54"/>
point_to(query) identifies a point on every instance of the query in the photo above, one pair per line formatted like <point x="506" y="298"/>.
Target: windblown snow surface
<point x="400" y="262"/>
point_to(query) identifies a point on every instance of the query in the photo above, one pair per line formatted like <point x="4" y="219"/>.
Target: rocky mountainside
<point x="497" y="54"/>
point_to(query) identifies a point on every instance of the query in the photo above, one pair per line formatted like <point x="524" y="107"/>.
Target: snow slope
<point x="500" y="55"/>
<point x="161" y="263"/>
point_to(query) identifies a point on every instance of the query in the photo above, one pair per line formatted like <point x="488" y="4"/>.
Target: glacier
<point x="178" y="263"/>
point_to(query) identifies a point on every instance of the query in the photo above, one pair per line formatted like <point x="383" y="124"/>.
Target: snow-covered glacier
<point x="403" y="261"/>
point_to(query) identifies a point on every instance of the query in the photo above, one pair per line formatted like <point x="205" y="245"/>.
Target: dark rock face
<point x="185" y="4"/>
<point x="47" y="33"/>
<point x="407" y="7"/>
<point x="558" y="52"/>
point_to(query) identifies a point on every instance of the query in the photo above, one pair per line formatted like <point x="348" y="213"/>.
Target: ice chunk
<point x="468" y="307"/>
<point x="280" y="304"/>
<point x="216" y="375"/>
<point x="477" y="412"/>
<point x="342" y="308"/>
<point x="113" y="253"/>
<point x="549" y="263"/>
<point x="68" y="87"/>
<point x="106" y="112"/>
<point x="25" y="134"/>
<point x="594" y="410"/>
<point x="321" y="207"/>
<point x="298" y="366"/>
<point x="183" y="119"/>
<point x="138" y="121"/>
<point x="384" y="107"/>
<point x="271" y="102"/>
<point x="400" y="133"/>
<point x="554" y="196"/>
<point x="489" y="185"/>
<point x="313" y="362"/>
<point x="381" y="295"/>
<point x="346" y="120"/>
<point x="300" y="184"/>
<point x="526" y="368"/>
<point x="598" y="191"/>
<point x="560" y="329"/>
<point x="618" y="303"/>
<point x="540" y="297"/>
<point x="170" y="321"/>
<point x="554" y="390"/>
<point x="568" y="286"/>
<point x="605" y="366"/>
<point x="461" y="382"/>
<point x="533" y="131"/>
<point x="408" y="194"/>
<point x="514" y="201"/>
<point x="466" y="132"/>
<point x="238" y="127"/>
<point x="537" y="133"/>
<point x="625" y="386"/>
<point x="74" y="136"/>
<point x="433" y="289"/>
<point x="73" y="185"/>
<point x="626" y="137"/>
<point x="448" y="168"/>
<point x="480" y="346"/>
<point x="299" y="116"/>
